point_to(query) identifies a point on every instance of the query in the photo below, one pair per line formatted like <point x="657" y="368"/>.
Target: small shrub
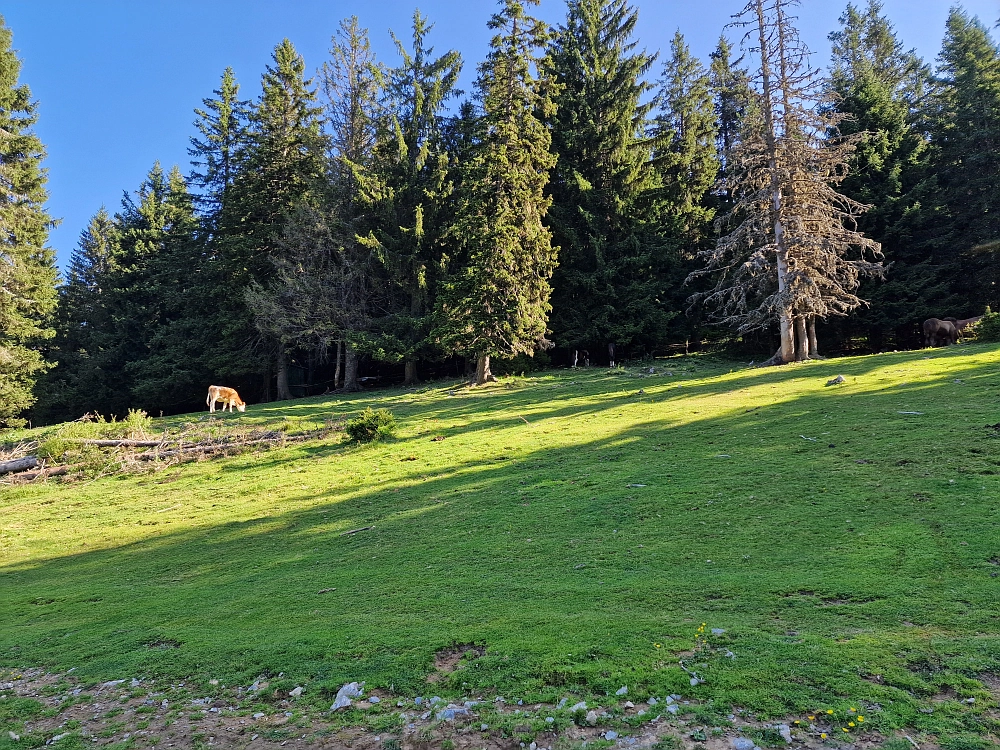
<point x="966" y="742"/>
<point x="371" y="426"/>
<point x="988" y="329"/>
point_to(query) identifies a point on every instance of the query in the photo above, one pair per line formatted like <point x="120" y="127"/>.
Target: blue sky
<point x="118" y="80"/>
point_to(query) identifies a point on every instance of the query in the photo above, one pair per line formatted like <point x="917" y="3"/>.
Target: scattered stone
<point x="836" y="381"/>
<point x="452" y="712"/>
<point x="672" y="708"/>
<point x="14" y="736"/>
<point x="786" y="732"/>
<point x="296" y="692"/>
<point x="165" y="703"/>
<point x="400" y="704"/>
<point x="581" y="706"/>
<point x="533" y="746"/>
<point x="253" y="737"/>
<point x="743" y="743"/>
<point x="611" y="734"/>
<point x="970" y="700"/>
<point x="137" y="683"/>
<point x="549" y="719"/>
<point x="652" y="701"/>
<point x="437" y="699"/>
<point x="562" y="703"/>
<point x="112" y="683"/>
<point x="418" y="700"/>
<point x="591" y="718"/>
<point x="623" y="690"/>
<point x="483" y="727"/>
<point x="66" y="734"/>
<point x="718" y="631"/>
<point x="374" y="699"/>
<point x="344" y="695"/>
<point x="259" y="715"/>
<point x="628" y="704"/>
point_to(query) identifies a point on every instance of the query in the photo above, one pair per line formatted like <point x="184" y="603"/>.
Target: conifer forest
<point x="587" y="201"/>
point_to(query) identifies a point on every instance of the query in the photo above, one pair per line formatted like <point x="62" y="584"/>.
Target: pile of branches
<point x="23" y="462"/>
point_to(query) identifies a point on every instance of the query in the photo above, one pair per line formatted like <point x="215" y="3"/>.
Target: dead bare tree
<point x="792" y="253"/>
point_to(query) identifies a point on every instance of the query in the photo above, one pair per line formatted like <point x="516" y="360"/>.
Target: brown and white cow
<point x="228" y="396"/>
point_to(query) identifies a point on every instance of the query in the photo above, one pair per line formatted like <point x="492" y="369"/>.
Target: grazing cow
<point x="937" y="331"/>
<point x="963" y="325"/>
<point x="611" y="354"/>
<point x="228" y="396"/>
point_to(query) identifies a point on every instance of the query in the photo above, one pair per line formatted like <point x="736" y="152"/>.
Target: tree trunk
<point x="350" y="368"/>
<point x="336" y="369"/>
<point x="18" y="464"/>
<point x="410" y="376"/>
<point x="284" y="393"/>
<point x="470" y="369"/>
<point x="813" y="344"/>
<point x="483" y="374"/>
<point x="801" y="340"/>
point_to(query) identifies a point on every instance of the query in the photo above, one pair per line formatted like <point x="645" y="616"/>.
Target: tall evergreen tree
<point x="76" y="381"/>
<point x="965" y="133"/>
<point x="687" y="159"/>
<point x="877" y="85"/>
<point x="411" y="214"/>
<point x="217" y="151"/>
<point x="498" y="303"/>
<point x="609" y="283"/>
<point x="730" y="86"/>
<point x="27" y="265"/>
<point x="285" y="162"/>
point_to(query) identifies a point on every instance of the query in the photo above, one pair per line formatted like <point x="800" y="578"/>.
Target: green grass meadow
<point x="578" y="525"/>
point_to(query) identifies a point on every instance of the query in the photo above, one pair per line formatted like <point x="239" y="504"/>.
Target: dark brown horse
<point x="963" y="325"/>
<point x="939" y="332"/>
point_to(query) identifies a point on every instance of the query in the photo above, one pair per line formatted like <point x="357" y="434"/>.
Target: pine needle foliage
<point x="27" y="265"/>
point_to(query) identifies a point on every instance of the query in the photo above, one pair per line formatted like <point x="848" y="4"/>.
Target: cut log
<point x="54" y="471"/>
<point x="19" y="464"/>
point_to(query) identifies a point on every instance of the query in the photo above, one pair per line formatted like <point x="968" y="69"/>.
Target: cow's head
<point x="241" y="407"/>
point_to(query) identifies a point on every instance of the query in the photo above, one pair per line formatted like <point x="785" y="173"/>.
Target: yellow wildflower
<point x="854" y="710"/>
<point x="829" y="710"/>
<point x="823" y="735"/>
<point x="850" y="724"/>
<point x="810" y="718"/>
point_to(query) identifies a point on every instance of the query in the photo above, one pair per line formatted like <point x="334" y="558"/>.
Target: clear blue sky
<point x="117" y="80"/>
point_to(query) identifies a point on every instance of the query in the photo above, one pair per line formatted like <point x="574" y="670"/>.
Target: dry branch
<point x="117" y="443"/>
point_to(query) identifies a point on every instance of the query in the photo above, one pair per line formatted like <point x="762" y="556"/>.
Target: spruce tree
<point x="284" y="164"/>
<point x="610" y="281"/>
<point x="497" y="304"/>
<point x="27" y="265"/>
<point x="410" y="213"/>
<point x="77" y="383"/>
<point x="877" y="84"/>
<point x="686" y="157"/>
<point x="965" y="133"/>
<point x="730" y="86"/>
<point x="217" y="151"/>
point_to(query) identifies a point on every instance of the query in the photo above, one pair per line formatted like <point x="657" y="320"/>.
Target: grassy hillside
<point x="579" y="526"/>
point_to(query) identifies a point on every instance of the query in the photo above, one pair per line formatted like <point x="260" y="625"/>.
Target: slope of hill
<point x="570" y="533"/>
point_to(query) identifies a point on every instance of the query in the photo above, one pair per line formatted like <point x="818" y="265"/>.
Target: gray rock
<point x="628" y="704"/>
<point x="64" y="734"/>
<point x="743" y="743"/>
<point x="549" y="719"/>
<point x="562" y="703"/>
<point x="672" y="708"/>
<point x="623" y="690"/>
<point x="533" y="746"/>
<point x="418" y="700"/>
<point x="471" y="704"/>
<point x="451" y="713"/>
<point x="591" y="718"/>
<point x="259" y="715"/>
<point x="718" y="631"/>
<point x="374" y="699"/>
<point x="581" y="706"/>
<point x="785" y="731"/>
<point x="400" y="704"/>
<point x="652" y="701"/>
<point x="14" y="736"/>
<point x="112" y="683"/>
<point x="344" y="695"/>
<point x="425" y="716"/>
<point x="970" y="700"/>
<point x="483" y="727"/>
<point x="136" y="683"/>
<point x="668" y="700"/>
<point x="295" y="692"/>
<point x="435" y="700"/>
<point x="611" y="734"/>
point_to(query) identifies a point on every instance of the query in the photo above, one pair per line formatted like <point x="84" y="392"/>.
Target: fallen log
<point x="19" y="464"/>
<point x="226" y="445"/>
<point x="117" y="443"/>
<point x="54" y="471"/>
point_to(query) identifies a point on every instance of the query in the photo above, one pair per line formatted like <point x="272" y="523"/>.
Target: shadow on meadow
<point x="826" y="562"/>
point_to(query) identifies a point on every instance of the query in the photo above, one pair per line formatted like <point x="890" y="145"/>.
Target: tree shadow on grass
<point x="570" y="562"/>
